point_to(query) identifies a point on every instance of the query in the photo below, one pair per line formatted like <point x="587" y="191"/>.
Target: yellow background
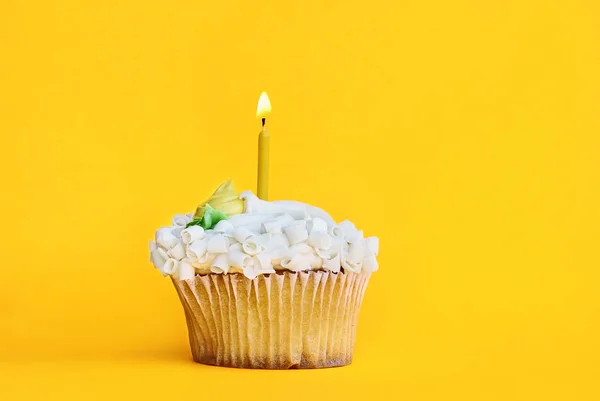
<point x="463" y="133"/>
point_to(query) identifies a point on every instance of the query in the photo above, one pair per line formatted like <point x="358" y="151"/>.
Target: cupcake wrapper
<point x="276" y="321"/>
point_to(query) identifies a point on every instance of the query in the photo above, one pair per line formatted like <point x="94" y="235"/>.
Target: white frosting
<point x="252" y="246"/>
<point x="185" y="270"/>
<point x="223" y="226"/>
<point x="170" y="267"/>
<point x="196" y="250"/>
<point x="181" y="220"/>
<point x="268" y="236"/>
<point x="220" y="264"/>
<point x="166" y="238"/>
<point x="191" y="234"/>
<point x="319" y="240"/>
<point x="177" y="252"/>
<point x="217" y="243"/>
<point x="296" y="232"/>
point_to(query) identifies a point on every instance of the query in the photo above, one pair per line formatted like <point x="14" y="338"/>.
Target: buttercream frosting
<point x="267" y="237"/>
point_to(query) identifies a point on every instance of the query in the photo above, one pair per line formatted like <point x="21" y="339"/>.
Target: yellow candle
<point x="262" y="111"/>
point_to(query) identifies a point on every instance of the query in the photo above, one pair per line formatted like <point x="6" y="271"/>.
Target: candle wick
<point x="263" y="121"/>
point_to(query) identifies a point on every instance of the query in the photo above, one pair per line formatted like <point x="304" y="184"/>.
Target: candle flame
<point x="264" y="106"/>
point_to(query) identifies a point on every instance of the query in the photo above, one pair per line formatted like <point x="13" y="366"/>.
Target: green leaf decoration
<point x="195" y="222"/>
<point x="210" y="218"/>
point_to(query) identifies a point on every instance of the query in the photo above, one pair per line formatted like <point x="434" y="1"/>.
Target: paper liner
<point x="276" y="321"/>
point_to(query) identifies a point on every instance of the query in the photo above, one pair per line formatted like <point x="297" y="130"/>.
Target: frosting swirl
<point x="265" y="238"/>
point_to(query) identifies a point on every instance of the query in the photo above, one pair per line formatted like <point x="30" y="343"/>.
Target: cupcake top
<point x="240" y="233"/>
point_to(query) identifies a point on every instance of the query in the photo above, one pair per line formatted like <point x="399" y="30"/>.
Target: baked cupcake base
<point x="277" y="321"/>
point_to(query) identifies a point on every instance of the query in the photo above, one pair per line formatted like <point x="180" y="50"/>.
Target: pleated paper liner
<point x="278" y="321"/>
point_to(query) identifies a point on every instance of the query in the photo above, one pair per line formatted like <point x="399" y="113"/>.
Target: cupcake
<point x="272" y="285"/>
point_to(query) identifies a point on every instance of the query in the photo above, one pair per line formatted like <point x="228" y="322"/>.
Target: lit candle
<point x="262" y="111"/>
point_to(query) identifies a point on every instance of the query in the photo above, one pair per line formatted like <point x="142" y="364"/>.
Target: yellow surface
<point x="464" y="133"/>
